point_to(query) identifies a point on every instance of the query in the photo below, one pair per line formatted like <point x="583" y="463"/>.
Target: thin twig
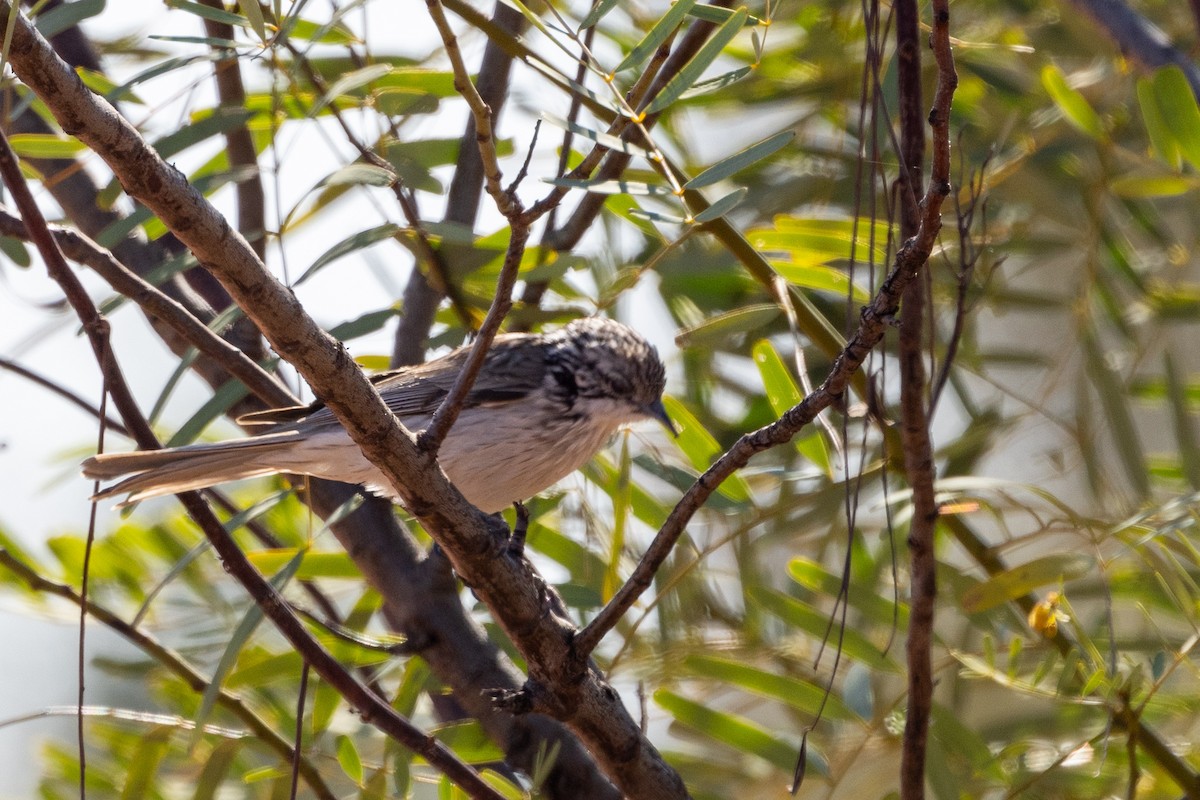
<point x="431" y="438"/>
<point x="480" y="111"/>
<point x="64" y="393"/>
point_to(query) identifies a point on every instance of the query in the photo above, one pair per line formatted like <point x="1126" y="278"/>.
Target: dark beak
<point x="657" y="411"/>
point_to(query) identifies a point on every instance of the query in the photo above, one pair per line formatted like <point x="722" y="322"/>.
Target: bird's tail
<point x="196" y="466"/>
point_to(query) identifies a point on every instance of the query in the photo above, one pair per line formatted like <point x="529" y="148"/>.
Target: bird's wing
<point x="513" y="369"/>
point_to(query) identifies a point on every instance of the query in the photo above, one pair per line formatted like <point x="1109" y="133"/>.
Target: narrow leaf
<point x="597" y="13"/>
<point x="351" y="81"/>
<point x="205" y="12"/>
<point x="347" y="756"/>
<point x="718" y="14"/>
<point x="611" y="187"/>
<point x="721" y="207"/>
<point x="360" y="175"/>
<point x="349" y="245"/>
<point x="1019" y="581"/>
<point x="254" y="16"/>
<point x="313" y="563"/>
<point x="66" y="15"/>
<point x="797" y="693"/>
<point x="1176" y="99"/>
<point x="656" y="35"/>
<point x="691" y="72"/>
<point x="45" y="145"/>
<point x="1115" y="400"/>
<point x="783" y="394"/>
<point x="241" y="635"/>
<point x="720" y="327"/>
<point x="604" y="139"/>
<point x="716" y="84"/>
<point x="1074" y="106"/>
<point x="737" y="732"/>
<point x="740" y="160"/>
<point x="1162" y="138"/>
<point x="1185" y="424"/>
<point x="700" y="448"/>
<point x="221" y="401"/>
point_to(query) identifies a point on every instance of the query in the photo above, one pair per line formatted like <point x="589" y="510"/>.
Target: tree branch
<point x="372" y="709"/>
<point x="475" y="543"/>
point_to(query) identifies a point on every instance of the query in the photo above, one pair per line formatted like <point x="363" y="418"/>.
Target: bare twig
<point x="431" y="438"/>
<point x="480" y="111"/>
<point x="914" y="393"/>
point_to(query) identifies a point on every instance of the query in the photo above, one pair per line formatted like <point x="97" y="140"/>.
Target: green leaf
<point x="1178" y="103"/>
<point x="691" y="72"/>
<point x="56" y="20"/>
<point x="822" y="278"/>
<point x="1162" y="138"/>
<point x="1010" y="584"/>
<point x="797" y="693"/>
<point x="738" y="732"/>
<point x="611" y="187"/>
<point x="815" y="623"/>
<point x="237" y="641"/>
<point x="361" y="326"/>
<point x="598" y="12"/>
<point x="879" y="610"/>
<point x="351" y="244"/>
<point x="1149" y="185"/>
<point x="720" y="327"/>
<point x="254" y="16"/>
<point x="656" y="35"/>
<point x="351" y="81"/>
<point x="359" y="175"/>
<point x="716" y="84"/>
<point x="16" y="251"/>
<point x="1184" y="422"/>
<point x="718" y="14"/>
<point x="206" y="125"/>
<point x="721" y="207"/>
<point x="348" y="759"/>
<point x="1115" y="400"/>
<point x="1074" y="106"/>
<point x="313" y="563"/>
<point x="216" y="767"/>
<point x="603" y="139"/>
<point x="783" y="394"/>
<point x="141" y="769"/>
<point x="700" y="448"/>
<point x="469" y="742"/>
<point x="45" y="145"/>
<point x="207" y="12"/>
<point x="222" y="400"/>
<point x="740" y="160"/>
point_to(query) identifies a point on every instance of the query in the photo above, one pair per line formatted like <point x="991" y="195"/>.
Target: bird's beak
<point x="658" y="411"/>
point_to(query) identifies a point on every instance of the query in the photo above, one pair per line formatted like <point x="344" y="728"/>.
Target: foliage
<point x="1068" y="460"/>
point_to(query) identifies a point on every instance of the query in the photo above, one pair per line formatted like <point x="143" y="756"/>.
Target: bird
<point x="541" y="406"/>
